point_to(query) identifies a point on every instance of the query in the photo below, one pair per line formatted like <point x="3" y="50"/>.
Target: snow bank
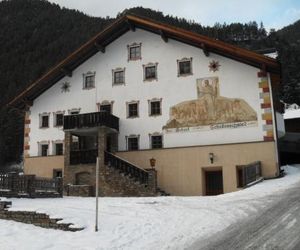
<point x="140" y="223"/>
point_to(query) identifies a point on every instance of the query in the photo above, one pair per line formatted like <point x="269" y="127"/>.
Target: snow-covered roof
<point x="291" y="114"/>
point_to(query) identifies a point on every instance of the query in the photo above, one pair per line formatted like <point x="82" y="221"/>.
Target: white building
<point x="200" y="107"/>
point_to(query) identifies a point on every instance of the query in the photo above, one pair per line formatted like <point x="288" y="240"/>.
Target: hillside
<point x="36" y="34"/>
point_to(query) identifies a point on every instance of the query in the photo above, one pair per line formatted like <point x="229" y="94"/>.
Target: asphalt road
<point x="276" y="227"/>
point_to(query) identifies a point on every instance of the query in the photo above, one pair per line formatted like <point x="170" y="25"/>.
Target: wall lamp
<point x="211" y="157"/>
<point x="152" y="162"/>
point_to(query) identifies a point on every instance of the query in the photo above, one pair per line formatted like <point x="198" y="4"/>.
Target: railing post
<point x="59" y="183"/>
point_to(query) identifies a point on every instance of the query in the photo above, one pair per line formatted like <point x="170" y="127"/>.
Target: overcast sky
<point x="273" y="13"/>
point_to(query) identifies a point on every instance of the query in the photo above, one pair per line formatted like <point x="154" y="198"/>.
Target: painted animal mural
<point x="210" y="108"/>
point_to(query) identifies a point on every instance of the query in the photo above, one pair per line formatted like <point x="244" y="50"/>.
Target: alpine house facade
<point x="140" y="90"/>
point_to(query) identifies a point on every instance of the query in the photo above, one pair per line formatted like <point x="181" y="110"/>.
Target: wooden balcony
<point x="91" y="120"/>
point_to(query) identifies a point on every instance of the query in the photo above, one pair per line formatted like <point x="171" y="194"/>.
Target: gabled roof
<point x="131" y="22"/>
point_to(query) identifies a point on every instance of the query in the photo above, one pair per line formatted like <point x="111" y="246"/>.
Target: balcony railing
<point x="90" y="120"/>
<point x="83" y="156"/>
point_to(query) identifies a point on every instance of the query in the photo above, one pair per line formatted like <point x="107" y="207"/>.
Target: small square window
<point x="44" y="149"/>
<point x="132" y="143"/>
<point x="135" y="52"/>
<point x="59" y="120"/>
<point x="44" y="121"/>
<point x="119" y="77"/>
<point x="150" y="72"/>
<point x="133" y="110"/>
<point x="184" y="67"/>
<point x="89" y="80"/>
<point x="156" y="141"/>
<point x="155" y="108"/>
<point x="58" y="149"/>
<point x="105" y="108"/>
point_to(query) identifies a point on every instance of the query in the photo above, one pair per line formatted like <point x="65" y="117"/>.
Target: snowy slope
<point x="139" y="223"/>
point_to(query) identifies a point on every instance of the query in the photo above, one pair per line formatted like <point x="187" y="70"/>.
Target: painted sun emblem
<point x="214" y="66"/>
<point x="65" y="87"/>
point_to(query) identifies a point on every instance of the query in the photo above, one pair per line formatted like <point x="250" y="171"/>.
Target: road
<point x="277" y="227"/>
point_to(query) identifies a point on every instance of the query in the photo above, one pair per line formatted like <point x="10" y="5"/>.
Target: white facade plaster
<point x="236" y="80"/>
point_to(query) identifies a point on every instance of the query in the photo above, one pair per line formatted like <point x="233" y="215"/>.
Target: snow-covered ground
<point x="140" y="223"/>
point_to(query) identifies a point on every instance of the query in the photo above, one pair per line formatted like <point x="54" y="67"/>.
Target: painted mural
<point x="210" y="110"/>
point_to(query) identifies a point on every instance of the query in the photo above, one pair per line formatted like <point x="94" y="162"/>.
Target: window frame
<point x="150" y="106"/>
<point x="55" y="114"/>
<point x="92" y="75"/>
<point x="128" y="105"/>
<point x="41" y="120"/>
<point x="145" y="67"/>
<point x="105" y="103"/>
<point x="40" y="148"/>
<point x="156" y="134"/>
<point x="74" y="111"/>
<point x="55" y="149"/>
<point x="130" y="137"/>
<point x="184" y="60"/>
<point x="133" y="46"/>
<point x="118" y="70"/>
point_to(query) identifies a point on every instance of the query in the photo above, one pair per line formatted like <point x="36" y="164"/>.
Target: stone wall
<point x="37" y="219"/>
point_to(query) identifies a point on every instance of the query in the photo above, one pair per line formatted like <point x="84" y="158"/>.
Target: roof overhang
<point x="130" y="22"/>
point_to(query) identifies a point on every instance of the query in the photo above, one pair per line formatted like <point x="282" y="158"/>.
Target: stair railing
<point x="126" y="167"/>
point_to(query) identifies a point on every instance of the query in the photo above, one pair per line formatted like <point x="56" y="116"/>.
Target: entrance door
<point x="214" y="182"/>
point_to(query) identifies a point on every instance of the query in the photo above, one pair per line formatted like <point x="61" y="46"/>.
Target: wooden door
<point x="214" y="182"/>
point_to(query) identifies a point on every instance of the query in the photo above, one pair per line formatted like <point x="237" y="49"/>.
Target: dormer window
<point x="134" y="51"/>
<point x="184" y="67"/>
<point x="89" y="80"/>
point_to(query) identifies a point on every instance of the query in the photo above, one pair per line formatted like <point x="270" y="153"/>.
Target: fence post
<point x="13" y="178"/>
<point x="31" y="185"/>
<point x="59" y="183"/>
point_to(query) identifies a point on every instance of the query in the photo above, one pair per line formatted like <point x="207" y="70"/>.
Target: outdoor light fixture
<point x="211" y="157"/>
<point x="152" y="162"/>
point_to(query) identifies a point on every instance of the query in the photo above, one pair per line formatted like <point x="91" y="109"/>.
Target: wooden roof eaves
<point x="216" y="46"/>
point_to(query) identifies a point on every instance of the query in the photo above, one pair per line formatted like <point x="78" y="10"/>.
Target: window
<point x="58" y="148"/>
<point x="89" y="80"/>
<point x="74" y="111"/>
<point x="156" y="141"/>
<point x="150" y="72"/>
<point x="155" y="108"/>
<point x="57" y="173"/>
<point x="58" y="119"/>
<point x="132" y="109"/>
<point x="184" y="66"/>
<point x="44" y="149"/>
<point x="133" y="143"/>
<point x="134" y="51"/>
<point x="119" y="76"/>
<point x="44" y="121"/>
<point x="105" y="108"/>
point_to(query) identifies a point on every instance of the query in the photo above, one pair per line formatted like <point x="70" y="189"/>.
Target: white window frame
<point x="70" y="111"/>
<point x="130" y="137"/>
<point x="134" y="45"/>
<point x="156" y="134"/>
<point x="54" y="146"/>
<point x="127" y="109"/>
<point x="185" y="59"/>
<point x="55" y="118"/>
<point x="149" y="106"/>
<point x="106" y="102"/>
<point x="89" y="74"/>
<point x="40" y="144"/>
<point x="113" y="76"/>
<point x="41" y="120"/>
<point x="145" y="66"/>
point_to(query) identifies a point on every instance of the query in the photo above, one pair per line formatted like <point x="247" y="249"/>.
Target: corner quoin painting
<point x="210" y="110"/>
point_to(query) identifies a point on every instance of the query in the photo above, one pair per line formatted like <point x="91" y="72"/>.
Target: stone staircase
<point x="123" y="178"/>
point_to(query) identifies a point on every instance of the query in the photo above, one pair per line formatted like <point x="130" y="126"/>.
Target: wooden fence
<point x="14" y="185"/>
